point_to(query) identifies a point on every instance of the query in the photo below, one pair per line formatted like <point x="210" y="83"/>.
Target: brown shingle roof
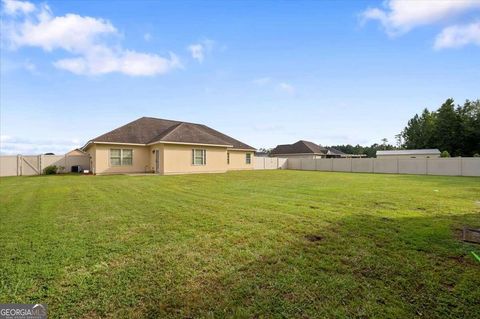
<point x="147" y="130"/>
<point x="300" y="147"/>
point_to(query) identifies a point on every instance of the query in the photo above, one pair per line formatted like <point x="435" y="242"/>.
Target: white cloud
<point x="30" y="66"/>
<point x="12" y="7"/>
<point x="85" y="38"/>
<point x="400" y="16"/>
<point x="262" y="81"/>
<point x="127" y="62"/>
<point x="10" y="145"/>
<point x="196" y="50"/>
<point x="458" y="36"/>
<point x="201" y="49"/>
<point x="287" y="88"/>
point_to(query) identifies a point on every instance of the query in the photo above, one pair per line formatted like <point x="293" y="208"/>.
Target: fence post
<point x="426" y="166"/>
<point x="18" y="165"/>
<point x="398" y="168"/>
<point x="460" y="166"/>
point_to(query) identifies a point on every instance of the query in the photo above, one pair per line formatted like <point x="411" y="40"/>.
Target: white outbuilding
<point x="421" y="153"/>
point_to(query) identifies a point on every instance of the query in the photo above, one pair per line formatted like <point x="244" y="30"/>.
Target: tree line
<point x="454" y="130"/>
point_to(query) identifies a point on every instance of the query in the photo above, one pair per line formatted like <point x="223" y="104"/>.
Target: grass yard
<point x="254" y="244"/>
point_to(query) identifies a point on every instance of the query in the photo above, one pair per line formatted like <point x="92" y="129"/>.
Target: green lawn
<point x="254" y="244"/>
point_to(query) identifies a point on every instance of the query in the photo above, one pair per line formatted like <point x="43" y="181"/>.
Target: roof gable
<point x="148" y="130"/>
<point x="300" y="147"/>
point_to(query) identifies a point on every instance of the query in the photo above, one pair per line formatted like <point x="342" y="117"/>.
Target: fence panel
<point x="342" y="165"/>
<point x="8" y="165"/>
<point x="27" y="165"/>
<point x="324" y="164"/>
<point x="294" y="163"/>
<point x="270" y="163"/>
<point x="362" y="165"/>
<point x="431" y="166"/>
<point x="308" y="164"/>
<point x="412" y="166"/>
<point x="470" y="166"/>
<point x="444" y="166"/>
<point x="385" y="165"/>
<point x="30" y="165"/>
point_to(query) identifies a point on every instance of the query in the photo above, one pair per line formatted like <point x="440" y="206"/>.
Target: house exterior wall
<point x="101" y="159"/>
<point x="177" y="159"/>
<point x="153" y="158"/>
<point x="238" y="160"/>
<point x="174" y="159"/>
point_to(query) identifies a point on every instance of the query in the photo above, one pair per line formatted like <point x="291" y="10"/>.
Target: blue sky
<point x="266" y="73"/>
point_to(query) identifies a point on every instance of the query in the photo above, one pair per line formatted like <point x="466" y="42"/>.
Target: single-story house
<point x="420" y="153"/>
<point x="300" y="149"/>
<point x="153" y="145"/>
<point x="308" y="150"/>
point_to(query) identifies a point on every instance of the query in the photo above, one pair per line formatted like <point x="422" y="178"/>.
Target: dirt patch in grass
<point x="313" y="238"/>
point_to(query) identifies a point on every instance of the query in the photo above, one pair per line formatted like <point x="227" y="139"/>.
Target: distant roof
<point x="334" y="151"/>
<point x="300" y="147"/>
<point x="146" y="130"/>
<point x="427" y="151"/>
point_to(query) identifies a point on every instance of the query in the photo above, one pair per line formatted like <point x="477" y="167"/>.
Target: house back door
<point x="157" y="161"/>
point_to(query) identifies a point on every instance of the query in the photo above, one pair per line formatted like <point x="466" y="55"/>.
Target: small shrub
<point x="445" y="154"/>
<point x="50" y="170"/>
<point x="476" y="155"/>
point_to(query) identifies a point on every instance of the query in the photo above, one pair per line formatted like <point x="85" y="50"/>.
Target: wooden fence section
<point x="27" y="165"/>
<point x="458" y="166"/>
<point x="270" y="163"/>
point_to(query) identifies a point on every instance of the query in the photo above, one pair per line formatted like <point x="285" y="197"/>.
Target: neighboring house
<point x="76" y="152"/>
<point x="300" y="149"/>
<point x="421" y="153"/>
<point x="167" y="147"/>
<point x="306" y="149"/>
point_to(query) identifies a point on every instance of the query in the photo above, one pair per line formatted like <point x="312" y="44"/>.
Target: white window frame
<point x="199" y="160"/>
<point x="122" y="156"/>
<point x="248" y="158"/>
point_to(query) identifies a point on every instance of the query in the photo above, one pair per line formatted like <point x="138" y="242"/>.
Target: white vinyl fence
<point x="458" y="166"/>
<point x="24" y="165"/>
<point x="270" y="163"/>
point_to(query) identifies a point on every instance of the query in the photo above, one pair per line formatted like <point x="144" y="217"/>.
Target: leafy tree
<point x="456" y="130"/>
<point x="448" y="129"/>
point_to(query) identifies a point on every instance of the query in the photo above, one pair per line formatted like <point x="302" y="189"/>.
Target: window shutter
<point x="204" y="157"/>
<point x="193" y="156"/>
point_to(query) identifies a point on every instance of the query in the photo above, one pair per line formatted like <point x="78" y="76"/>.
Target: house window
<point x="199" y="157"/>
<point x="228" y="157"/>
<point x="248" y="158"/>
<point x="121" y="157"/>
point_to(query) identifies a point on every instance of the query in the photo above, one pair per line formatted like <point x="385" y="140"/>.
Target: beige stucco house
<point x="152" y="145"/>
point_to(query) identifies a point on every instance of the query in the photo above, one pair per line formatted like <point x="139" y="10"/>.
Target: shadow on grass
<point x="359" y="267"/>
